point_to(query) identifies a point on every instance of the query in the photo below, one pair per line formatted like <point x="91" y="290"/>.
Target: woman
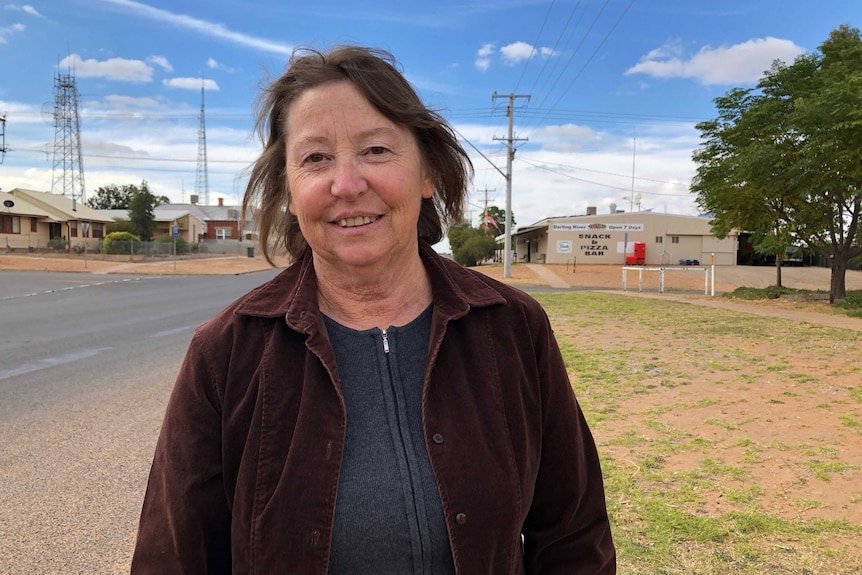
<point x="374" y="409"/>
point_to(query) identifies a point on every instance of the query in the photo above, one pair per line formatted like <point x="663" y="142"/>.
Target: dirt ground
<point x="727" y="278"/>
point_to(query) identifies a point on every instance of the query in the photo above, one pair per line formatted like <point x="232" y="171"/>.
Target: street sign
<point x="175" y="231"/>
<point x="85" y="226"/>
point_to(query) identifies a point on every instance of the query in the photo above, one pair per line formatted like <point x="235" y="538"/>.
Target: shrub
<point x="119" y="243"/>
<point x="182" y="245"/>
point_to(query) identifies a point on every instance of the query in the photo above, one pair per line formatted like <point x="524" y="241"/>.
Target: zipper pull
<point x="385" y="341"/>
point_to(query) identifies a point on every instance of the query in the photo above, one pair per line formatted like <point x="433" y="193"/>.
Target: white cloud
<point x="202" y="26"/>
<point x="568" y="137"/>
<point x="191" y="84"/>
<point x="127" y="102"/>
<point x="516" y="52"/>
<point x="119" y="69"/>
<point x="741" y="63"/>
<point x="483" y="57"/>
<point x="162" y="62"/>
<point x="9" y="30"/>
<point x="511" y="54"/>
<point x="26" y="8"/>
<point x="211" y="63"/>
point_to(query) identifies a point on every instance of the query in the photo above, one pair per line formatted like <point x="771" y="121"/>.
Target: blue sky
<point x="616" y="86"/>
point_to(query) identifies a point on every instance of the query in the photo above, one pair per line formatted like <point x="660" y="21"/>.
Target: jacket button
<point x="461" y="519"/>
<point x="437" y="438"/>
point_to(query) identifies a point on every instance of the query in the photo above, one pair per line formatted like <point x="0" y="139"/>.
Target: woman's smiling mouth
<point x="356" y="221"/>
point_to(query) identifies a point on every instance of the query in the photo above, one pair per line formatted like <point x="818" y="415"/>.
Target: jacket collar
<point x="293" y="292"/>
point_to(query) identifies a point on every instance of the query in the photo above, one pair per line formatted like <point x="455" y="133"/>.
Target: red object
<point x="639" y="255"/>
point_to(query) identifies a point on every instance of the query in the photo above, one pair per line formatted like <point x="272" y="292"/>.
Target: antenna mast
<point x="202" y="187"/>
<point x="68" y="170"/>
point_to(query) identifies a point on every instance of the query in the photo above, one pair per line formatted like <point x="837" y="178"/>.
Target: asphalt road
<point x="86" y="366"/>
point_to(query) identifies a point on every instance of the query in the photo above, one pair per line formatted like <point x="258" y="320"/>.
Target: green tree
<point x="784" y="160"/>
<point x="120" y="225"/>
<point x="470" y="246"/>
<point x="142" y="215"/>
<point x="114" y="197"/>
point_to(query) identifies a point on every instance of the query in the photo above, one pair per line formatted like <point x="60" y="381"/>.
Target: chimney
<point x="194" y="199"/>
<point x="591" y="210"/>
<point x="221" y="202"/>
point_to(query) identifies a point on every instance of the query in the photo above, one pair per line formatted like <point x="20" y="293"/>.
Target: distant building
<point x="32" y="221"/>
<point x="594" y="238"/>
<point x="197" y="223"/>
<point x="190" y="224"/>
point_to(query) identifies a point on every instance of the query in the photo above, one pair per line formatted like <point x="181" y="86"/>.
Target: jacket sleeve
<point x="567" y="530"/>
<point x="185" y="520"/>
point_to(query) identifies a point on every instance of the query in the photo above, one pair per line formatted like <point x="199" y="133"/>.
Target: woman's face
<point x="356" y="178"/>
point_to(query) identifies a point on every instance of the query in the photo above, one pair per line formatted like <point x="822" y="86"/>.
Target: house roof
<point x="221" y="213"/>
<point x="20" y="207"/>
<point x="192" y="209"/>
<point x="171" y="215"/>
<point x="60" y="208"/>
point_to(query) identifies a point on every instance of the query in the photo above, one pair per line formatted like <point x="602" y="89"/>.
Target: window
<point x="34" y="225"/>
<point x="98" y="230"/>
<point x="73" y="229"/>
<point x="223" y="233"/>
<point x="10" y="225"/>
<point x="659" y="240"/>
<point x="674" y="239"/>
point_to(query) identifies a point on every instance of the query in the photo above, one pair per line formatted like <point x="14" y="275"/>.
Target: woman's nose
<point x="348" y="181"/>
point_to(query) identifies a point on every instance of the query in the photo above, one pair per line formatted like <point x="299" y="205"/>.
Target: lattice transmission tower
<point x="2" y="137"/>
<point x="68" y="172"/>
<point x="202" y="187"/>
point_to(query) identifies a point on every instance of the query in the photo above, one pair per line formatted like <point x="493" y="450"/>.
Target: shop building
<point x="648" y="238"/>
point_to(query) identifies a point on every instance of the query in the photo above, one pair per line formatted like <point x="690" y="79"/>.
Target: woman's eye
<point x="377" y="150"/>
<point x="314" y="158"/>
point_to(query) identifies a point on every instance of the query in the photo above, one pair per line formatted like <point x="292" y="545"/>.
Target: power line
<point x="557" y="43"/>
<point x="596" y="51"/>
<point x="571" y="177"/>
<point x="535" y="43"/>
<point x="612" y="174"/>
<point x="577" y="49"/>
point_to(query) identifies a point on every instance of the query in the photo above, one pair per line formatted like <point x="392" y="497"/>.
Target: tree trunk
<point x="837" y="284"/>
<point x="778" y="273"/>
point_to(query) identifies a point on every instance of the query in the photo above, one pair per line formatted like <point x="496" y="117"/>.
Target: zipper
<point x="385" y="341"/>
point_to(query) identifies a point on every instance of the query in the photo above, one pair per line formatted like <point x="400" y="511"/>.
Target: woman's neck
<point x="363" y="299"/>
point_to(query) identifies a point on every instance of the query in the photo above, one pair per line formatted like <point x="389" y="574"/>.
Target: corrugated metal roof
<point x="21" y="206"/>
<point x="61" y="207"/>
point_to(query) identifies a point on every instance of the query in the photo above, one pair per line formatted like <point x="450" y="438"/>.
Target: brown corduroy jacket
<point x="246" y="468"/>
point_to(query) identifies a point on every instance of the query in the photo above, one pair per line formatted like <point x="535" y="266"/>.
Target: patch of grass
<point x="852" y="304"/>
<point x="808" y="503"/>
<point x="852" y="423"/>
<point x="629" y="439"/>
<point x="823" y="470"/>
<point x="747" y="496"/>
<point x="721" y="423"/>
<point x="749" y="293"/>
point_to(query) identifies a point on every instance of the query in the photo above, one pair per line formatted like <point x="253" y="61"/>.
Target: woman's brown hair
<point x="375" y="74"/>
